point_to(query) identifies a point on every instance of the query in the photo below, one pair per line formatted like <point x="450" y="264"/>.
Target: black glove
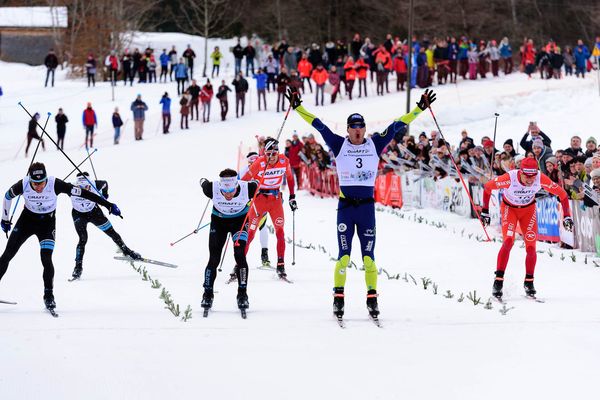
<point x="5" y="225"/>
<point x="294" y="98"/>
<point x="568" y="224"/>
<point x="293" y="204"/>
<point x="485" y="217"/>
<point x="426" y="99"/>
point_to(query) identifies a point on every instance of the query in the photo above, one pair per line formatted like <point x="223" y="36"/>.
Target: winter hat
<point x="488" y="143"/>
<point x="591" y="139"/>
<point x="355" y="118"/>
<point x="529" y="166"/>
<point x="595" y="173"/>
<point x="537" y="143"/>
<point x="37" y="172"/>
<point x="510" y="142"/>
<point x="252" y="156"/>
<point x="588" y="162"/>
<point x="552" y="160"/>
<point x="519" y="158"/>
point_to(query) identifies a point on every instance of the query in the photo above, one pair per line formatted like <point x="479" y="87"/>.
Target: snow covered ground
<point x="114" y="338"/>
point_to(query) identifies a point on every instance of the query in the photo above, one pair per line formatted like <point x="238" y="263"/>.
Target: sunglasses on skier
<point x="271" y="153"/>
<point x="356" y="126"/>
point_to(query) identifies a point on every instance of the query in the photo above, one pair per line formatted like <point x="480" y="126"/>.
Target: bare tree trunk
<point x="513" y="8"/>
<point x="205" y="37"/>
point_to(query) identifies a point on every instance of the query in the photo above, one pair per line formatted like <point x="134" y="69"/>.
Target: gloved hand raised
<point x="294" y="98"/>
<point x="426" y="99"/>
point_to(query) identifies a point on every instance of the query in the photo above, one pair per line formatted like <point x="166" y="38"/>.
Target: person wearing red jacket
<point x="383" y="61"/>
<point x="528" y="59"/>
<point x="334" y="81"/>
<point x="518" y="208"/>
<point x="362" y="69"/>
<point x="270" y="169"/>
<point x="89" y="122"/>
<point x="399" y="66"/>
<point x="319" y="75"/>
<point x="350" y="75"/>
<point x="304" y="69"/>
<point x="206" y="95"/>
<point x="294" y="157"/>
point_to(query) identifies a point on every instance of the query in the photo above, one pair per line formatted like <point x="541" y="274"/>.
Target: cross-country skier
<point x="86" y="211"/>
<point x="357" y="158"/>
<point x="270" y="170"/>
<point x="40" y="193"/>
<point x="230" y="198"/>
<point x="519" y="188"/>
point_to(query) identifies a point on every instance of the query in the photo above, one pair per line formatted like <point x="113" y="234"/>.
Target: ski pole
<point x="198" y="228"/>
<point x="91" y="163"/>
<point x="293" y="237"/>
<point x="64" y="154"/>
<point x="225" y="252"/>
<point x="458" y="170"/>
<point x="494" y="147"/>
<point x="79" y="165"/>
<point x="30" y="164"/>
<point x="237" y="242"/>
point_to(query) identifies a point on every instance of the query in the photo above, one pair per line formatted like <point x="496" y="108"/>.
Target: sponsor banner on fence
<point x="585" y="237"/>
<point x="548" y="219"/>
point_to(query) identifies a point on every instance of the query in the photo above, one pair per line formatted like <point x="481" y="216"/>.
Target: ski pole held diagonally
<point x="198" y="228"/>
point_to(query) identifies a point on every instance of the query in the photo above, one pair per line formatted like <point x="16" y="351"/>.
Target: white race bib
<point x="518" y="194"/>
<point x="357" y="164"/>
<point x="233" y="206"/>
<point x="40" y="203"/>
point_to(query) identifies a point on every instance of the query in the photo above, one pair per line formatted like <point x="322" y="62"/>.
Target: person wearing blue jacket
<point x="582" y="53"/>
<point x="164" y="65"/>
<point x="506" y="54"/>
<point x="261" y="86"/>
<point x="139" y="109"/>
<point x="166" y="112"/>
<point x="181" y="75"/>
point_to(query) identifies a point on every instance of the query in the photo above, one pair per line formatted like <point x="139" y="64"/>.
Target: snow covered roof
<point x="33" y="17"/>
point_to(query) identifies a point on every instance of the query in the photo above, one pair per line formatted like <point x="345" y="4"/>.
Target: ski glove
<point x="568" y="224"/>
<point x="115" y="210"/>
<point x="294" y="97"/>
<point x="485" y="217"/>
<point x="5" y="225"/>
<point x="293" y="204"/>
<point x="426" y="99"/>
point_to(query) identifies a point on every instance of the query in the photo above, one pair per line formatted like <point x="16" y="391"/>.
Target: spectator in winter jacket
<point x="117" y="123"/>
<point x="32" y="132"/>
<point x="271" y="68"/>
<point x="440" y="58"/>
<point x="528" y="58"/>
<point x="575" y="147"/>
<point x="556" y="63"/>
<point x="241" y="87"/>
<point x="509" y="148"/>
<point x="350" y="76"/>
<point x="185" y="109"/>
<point x="473" y="58"/>
<point x="261" y="85"/>
<point x="334" y="81"/>
<point x="189" y="56"/>
<point x="315" y="57"/>
<point x="591" y="147"/>
<point x="294" y="150"/>
<point x="222" y="96"/>
<point x="283" y="79"/>
<point x="128" y="72"/>
<point x="422" y="71"/>
<point x="542" y="153"/>
<point x="216" y="56"/>
<point x="319" y="76"/>
<point x="452" y="53"/>
<point x="181" y="76"/>
<point x="484" y="56"/>
<point x="535" y="133"/>
<point x="61" y="128"/>
<point x="151" y="60"/>
<point x="206" y="95"/>
<point x="289" y="59"/>
<point x="463" y="57"/>
<point x="139" y="108"/>
<point x="582" y="53"/>
<point x="399" y="67"/>
<point x="112" y="65"/>
<point x="362" y="69"/>
<point x="90" y="67"/>
<point x="355" y="46"/>
<point x="250" y="54"/>
<point x="173" y="61"/>
<point x="51" y="62"/>
<point x="494" y="53"/>
<point x="295" y="83"/>
<point x="166" y="112"/>
<point x="89" y="121"/>
<point x="238" y="56"/>
<point x="506" y="54"/>
<point x="569" y="60"/>
<point x="194" y="91"/>
<point x="305" y="69"/>
<point x="383" y="62"/>
<point x="164" y="65"/>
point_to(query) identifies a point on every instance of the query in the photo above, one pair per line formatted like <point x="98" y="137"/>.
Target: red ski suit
<point x="518" y="207"/>
<point x="269" y="198"/>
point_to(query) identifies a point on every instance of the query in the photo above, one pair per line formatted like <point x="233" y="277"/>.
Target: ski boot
<point x="77" y="271"/>
<point x="372" y="303"/>
<point x="207" y="301"/>
<point x="528" y="285"/>
<point x="130" y="253"/>
<point x="242" y="301"/>
<point x="264" y="257"/>
<point x="338" y="302"/>
<point x="498" y="284"/>
<point x="49" y="299"/>
<point x="281" y="268"/>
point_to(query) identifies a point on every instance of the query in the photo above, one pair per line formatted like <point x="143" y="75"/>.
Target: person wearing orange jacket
<point x="320" y="76"/>
<point x="361" y="68"/>
<point x="304" y="69"/>
<point x="383" y="61"/>
<point x="399" y="66"/>
<point x="350" y="75"/>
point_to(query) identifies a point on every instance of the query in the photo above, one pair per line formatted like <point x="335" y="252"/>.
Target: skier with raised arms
<point x="357" y="158"/>
<point x="519" y="188"/>
<point x="86" y="211"/>
<point x="40" y="193"/>
<point x="230" y="198"/>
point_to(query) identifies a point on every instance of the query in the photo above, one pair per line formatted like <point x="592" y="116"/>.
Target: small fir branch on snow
<point x="426" y="282"/>
<point x="448" y="294"/>
<point x="562" y="256"/>
<point x="405" y="277"/>
<point x="155" y="284"/>
<point x="504" y="310"/>
<point x="145" y="275"/>
<point x="460" y="298"/>
<point x="473" y="297"/>
<point x="434" y="286"/>
<point x="550" y="253"/>
<point x="413" y="279"/>
<point x="573" y="257"/>
<point x="596" y="264"/>
<point x="488" y="304"/>
<point x="462" y="233"/>
<point x="470" y="235"/>
<point x="187" y="314"/>
<point x="585" y="259"/>
<point x="174" y="308"/>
